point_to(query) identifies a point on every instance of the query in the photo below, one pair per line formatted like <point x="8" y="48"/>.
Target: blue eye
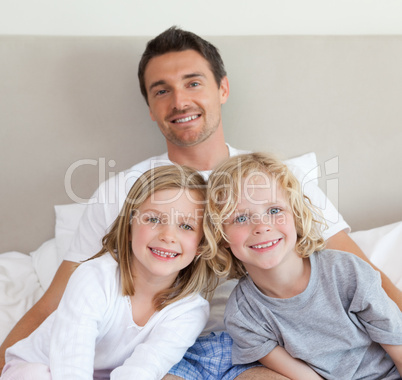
<point x="241" y="219"/>
<point x="186" y="227"/>
<point x="153" y="219"/>
<point x="161" y="92"/>
<point x="194" y="84"/>
<point x="274" y="210"/>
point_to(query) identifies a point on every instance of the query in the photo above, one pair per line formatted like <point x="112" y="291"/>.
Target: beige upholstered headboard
<point x="71" y="110"/>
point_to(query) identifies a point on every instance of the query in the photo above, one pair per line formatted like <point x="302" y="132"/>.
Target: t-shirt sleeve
<point x="87" y="240"/>
<point x="379" y="315"/>
<point x="252" y="340"/>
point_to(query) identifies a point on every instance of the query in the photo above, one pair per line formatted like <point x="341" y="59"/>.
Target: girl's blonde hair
<point x="224" y="190"/>
<point x="198" y="276"/>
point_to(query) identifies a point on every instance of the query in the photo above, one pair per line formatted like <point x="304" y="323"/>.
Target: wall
<point x="139" y="18"/>
<point x="71" y="115"/>
<point x="206" y="17"/>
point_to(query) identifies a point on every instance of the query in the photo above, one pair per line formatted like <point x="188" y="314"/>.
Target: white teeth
<point x="163" y="253"/>
<point x="265" y="245"/>
<point x="186" y="119"/>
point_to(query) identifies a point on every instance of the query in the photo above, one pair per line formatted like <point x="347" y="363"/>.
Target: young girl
<point x="303" y="313"/>
<point x="132" y="310"/>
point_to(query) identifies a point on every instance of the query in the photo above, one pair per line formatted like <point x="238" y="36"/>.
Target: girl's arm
<point x="396" y="355"/>
<point x="279" y="360"/>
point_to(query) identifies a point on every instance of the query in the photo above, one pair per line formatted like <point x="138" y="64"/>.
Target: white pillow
<point x="383" y="246"/>
<point x="67" y="220"/>
<point x="48" y="257"/>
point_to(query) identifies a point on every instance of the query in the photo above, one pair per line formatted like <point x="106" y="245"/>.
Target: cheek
<point x="151" y="114"/>
<point x="155" y="111"/>
<point x="291" y="234"/>
<point x="236" y="237"/>
<point x="191" y="242"/>
<point x="139" y="232"/>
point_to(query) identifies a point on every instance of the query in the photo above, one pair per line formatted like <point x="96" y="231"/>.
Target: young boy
<point x="298" y="310"/>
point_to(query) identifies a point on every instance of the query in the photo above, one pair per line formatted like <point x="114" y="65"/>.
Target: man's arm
<point x="343" y="242"/>
<point x="396" y="355"/>
<point x="41" y="310"/>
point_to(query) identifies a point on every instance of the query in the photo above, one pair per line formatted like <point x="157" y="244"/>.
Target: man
<point x="184" y="83"/>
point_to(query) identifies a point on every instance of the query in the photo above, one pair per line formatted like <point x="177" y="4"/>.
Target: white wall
<point x="205" y="17"/>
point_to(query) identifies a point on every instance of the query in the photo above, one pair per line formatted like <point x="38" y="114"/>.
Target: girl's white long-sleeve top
<point x="92" y="334"/>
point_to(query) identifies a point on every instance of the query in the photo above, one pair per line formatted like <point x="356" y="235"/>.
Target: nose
<point x="180" y="100"/>
<point x="167" y="234"/>
<point x="261" y="226"/>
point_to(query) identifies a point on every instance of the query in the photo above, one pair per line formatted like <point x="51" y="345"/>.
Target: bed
<point x="71" y="115"/>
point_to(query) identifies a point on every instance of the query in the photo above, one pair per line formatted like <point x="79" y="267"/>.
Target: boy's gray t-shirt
<point x="331" y="325"/>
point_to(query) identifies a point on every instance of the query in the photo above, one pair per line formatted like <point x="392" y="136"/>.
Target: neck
<point x="142" y="302"/>
<point x="278" y="283"/>
<point x="203" y="156"/>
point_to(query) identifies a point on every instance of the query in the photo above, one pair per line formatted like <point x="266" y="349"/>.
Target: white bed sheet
<point x="19" y="289"/>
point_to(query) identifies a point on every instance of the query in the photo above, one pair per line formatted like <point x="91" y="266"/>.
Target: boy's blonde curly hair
<point x="224" y="190"/>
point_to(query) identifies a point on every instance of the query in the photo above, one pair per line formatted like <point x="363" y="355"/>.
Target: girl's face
<point x="165" y="232"/>
<point x="261" y="231"/>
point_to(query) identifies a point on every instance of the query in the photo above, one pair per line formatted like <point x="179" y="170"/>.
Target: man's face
<point x="184" y="98"/>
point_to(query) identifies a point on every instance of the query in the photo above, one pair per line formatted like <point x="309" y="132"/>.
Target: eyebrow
<point x="156" y="84"/>
<point x="187" y="76"/>
<point x="263" y="203"/>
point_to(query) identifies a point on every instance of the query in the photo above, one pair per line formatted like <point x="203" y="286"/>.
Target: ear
<point x="224" y="89"/>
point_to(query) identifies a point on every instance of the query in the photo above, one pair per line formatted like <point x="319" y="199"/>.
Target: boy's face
<point x="184" y="98"/>
<point x="261" y="231"/>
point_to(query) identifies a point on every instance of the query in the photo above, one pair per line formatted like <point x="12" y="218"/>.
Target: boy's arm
<point x="280" y="361"/>
<point x="396" y="355"/>
<point x="41" y="310"/>
<point x="343" y="242"/>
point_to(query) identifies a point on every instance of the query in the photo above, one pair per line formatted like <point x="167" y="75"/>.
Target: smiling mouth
<point x="163" y="253"/>
<point x="266" y="245"/>
<point x="186" y="119"/>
